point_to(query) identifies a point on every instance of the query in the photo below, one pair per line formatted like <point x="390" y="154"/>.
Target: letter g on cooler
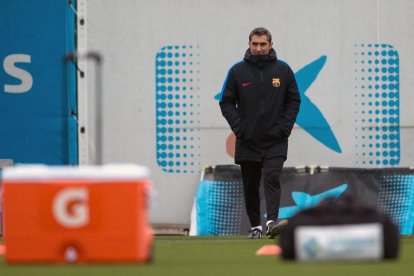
<point x="70" y="207"/>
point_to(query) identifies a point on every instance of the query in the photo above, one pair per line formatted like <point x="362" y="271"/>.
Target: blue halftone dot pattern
<point x="219" y="207"/>
<point x="377" y="105"/>
<point x="396" y="198"/>
<point x="177" y="108"/>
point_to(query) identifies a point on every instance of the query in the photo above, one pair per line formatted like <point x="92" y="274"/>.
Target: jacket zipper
<point x="261" y="91"/>
<point x="261" y="100"/>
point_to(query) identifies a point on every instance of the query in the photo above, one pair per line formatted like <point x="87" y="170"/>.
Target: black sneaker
<point x="273" y="229"/>
<point x="255" y="233"/>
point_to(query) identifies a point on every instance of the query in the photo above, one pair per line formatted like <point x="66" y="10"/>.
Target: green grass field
<point x="178" y="255"/>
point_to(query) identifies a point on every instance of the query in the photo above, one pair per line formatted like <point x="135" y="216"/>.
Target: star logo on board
<point x="304" y="200"/>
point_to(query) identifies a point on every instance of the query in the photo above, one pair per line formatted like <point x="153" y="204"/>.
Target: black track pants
<point x="252" y="173"/>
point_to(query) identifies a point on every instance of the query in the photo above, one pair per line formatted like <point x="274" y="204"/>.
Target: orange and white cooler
<point x="77" y="214"/>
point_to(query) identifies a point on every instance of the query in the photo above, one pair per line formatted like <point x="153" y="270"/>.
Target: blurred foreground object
<point x="269" y="250"/>
<point x="3" y="163"/>
<point x="77" y="214"/>
<point x="340" y="230"/>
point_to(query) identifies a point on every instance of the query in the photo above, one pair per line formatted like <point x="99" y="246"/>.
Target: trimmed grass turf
<point x="176" y="255"/>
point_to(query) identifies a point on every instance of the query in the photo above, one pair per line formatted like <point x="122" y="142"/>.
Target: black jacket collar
<point x="260" y="60"/>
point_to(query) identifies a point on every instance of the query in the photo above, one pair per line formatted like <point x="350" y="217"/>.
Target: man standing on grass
<point x="260" y="101"/>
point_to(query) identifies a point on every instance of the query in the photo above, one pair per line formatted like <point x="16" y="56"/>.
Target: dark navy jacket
<point x="260" y="101"/>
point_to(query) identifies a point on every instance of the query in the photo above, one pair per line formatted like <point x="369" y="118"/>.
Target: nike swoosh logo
<point x="246" y="84"/>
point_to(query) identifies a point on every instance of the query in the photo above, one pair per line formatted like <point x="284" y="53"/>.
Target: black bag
<point x="342" y="212"/>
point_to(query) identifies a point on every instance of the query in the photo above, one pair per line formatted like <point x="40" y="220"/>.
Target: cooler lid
<point x="103" y="172"/>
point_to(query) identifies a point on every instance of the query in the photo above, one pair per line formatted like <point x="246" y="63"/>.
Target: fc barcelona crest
<point x="276" y="82"/>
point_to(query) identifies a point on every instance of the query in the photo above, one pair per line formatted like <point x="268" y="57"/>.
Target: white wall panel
<point x="130" y="33"/>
